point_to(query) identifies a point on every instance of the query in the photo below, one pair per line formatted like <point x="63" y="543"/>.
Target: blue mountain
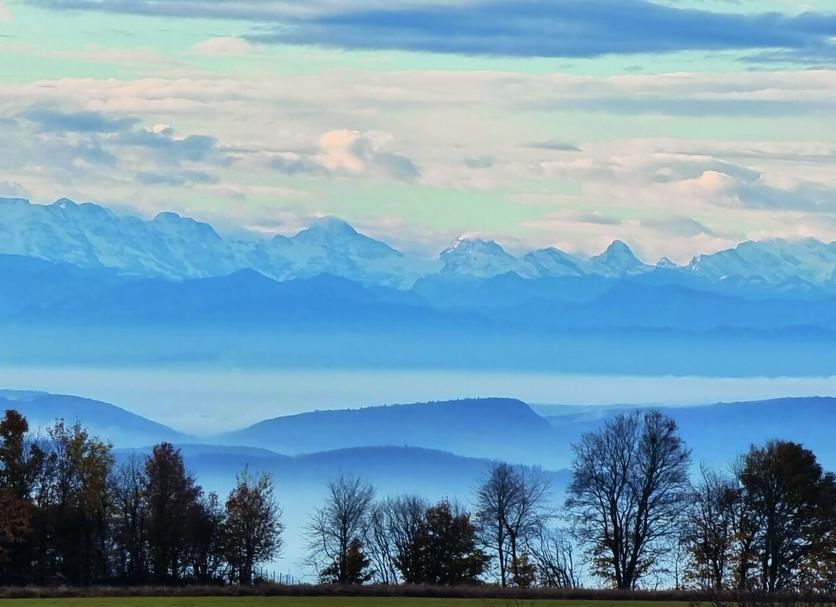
<point x="493" y="428"/>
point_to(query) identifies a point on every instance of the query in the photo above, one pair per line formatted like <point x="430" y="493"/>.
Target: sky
<point x="679" y="126"/>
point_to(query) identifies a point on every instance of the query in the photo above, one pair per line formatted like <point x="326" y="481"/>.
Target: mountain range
<point x="174" y="247"/>
<point x="479" y="429"/>
<point x="80" y="284"/>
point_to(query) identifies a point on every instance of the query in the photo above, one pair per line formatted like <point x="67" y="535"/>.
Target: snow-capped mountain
<point x="332" y="246"/>
<point x="90" y="236"/>
<point x="476" y="258"/>
<point x="771" y="261"/>
<point x="174" y="247"/>
<point x="170" y="246"/>
<point x="617" y="260"/>
<point x="554" y="262"/>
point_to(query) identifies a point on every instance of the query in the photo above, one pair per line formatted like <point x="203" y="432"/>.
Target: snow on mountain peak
<point x="554" y="262"/>
<point x="477" y="258"/>
<point x="616" y="260"/>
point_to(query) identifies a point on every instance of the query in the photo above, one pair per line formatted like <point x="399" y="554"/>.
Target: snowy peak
<point x="771" y="261"/>
<point x="176" y="247"/>
<point x="328" y="227"/>
<point x="479" y="259"/>
<point x="171" y="246"/>
<point x="339" y="235"/>
<point x="665" y="263"/>
<point x="617" y="260"/>
<point x="554" y="262"/>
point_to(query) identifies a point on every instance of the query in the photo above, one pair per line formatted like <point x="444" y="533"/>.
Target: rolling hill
<point x="494" y="428"/>
<point x="109" y="422"/>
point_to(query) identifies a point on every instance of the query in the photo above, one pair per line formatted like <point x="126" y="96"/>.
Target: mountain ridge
<point x="176" y="247"/>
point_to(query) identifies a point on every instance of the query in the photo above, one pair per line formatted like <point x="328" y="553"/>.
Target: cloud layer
<point x="521" y="28"/>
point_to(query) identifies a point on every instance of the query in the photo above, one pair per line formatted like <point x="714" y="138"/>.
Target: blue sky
<point x="679" y="127"/>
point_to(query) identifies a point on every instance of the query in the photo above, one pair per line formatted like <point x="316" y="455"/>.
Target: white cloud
<point x="6" y="15"/>
<point x="381" y="125"/>
<point x="224" y="45"/>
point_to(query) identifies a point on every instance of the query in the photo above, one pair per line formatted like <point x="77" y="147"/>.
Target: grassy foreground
<point x="323" y="601"/>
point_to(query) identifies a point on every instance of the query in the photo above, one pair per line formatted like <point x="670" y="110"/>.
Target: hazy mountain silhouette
<point x="109" y="422"/>
<point x="496" y="428"/>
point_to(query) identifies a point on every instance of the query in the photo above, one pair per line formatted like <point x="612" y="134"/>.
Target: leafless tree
<point x="511" y="510"/>
<point x="710" y="530"/>
<point x="343" y="519"/>
<point x="629" y="487"/>
<point x="394" y="526"/>
<point x="554" y="556"/>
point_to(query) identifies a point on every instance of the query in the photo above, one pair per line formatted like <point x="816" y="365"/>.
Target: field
<point x="322" y="601"/>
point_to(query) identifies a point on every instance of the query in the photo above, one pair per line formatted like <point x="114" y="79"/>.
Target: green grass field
<point x="321" y="602"/>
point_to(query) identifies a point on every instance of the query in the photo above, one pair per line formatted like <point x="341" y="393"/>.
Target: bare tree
<point x="382" y="552"/>
<point x="511" y="510"/>
<point x="394" y="526"/>
<point x="129" y="519"/>
<point x="339" y="525"/>
<point x="629" y="487"/>
<point x="554" y="556"/>
<point x="709" y="531"/>
<point x="494" y="498"/>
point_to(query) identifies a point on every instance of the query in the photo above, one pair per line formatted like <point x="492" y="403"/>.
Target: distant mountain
<point x="29" y="282"/>
<point x="500" y="428"/>
<point x="554" y="262"/>
<point x="480" y="259"/>
<point x="245" y="298"/>
<point x="331" y="246"/>
<point x="771" y="261"/>
<point x="123" y="428"/>
<point x="617" y="260"/>
<point x="718" y="433"/>
<point x="91" y="236"/>
<point x="627" y="304"/>
<point x="174" y="247"/>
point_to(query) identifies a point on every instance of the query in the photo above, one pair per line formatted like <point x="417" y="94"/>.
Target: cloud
<point x="174" y="179"/>
<point x="347" y="152"/>
<point x="557" y="146"/>
<point x="168" y="149"/>
<point x="523" y="28"/>
<point x="6" y="15"/>
<point x="225" y="45"/>
<point x="12" y="189"/>
<point x="678" y="226"/>
<point x="80" y="122"/>
<point x="570" y="28"/>
<point x="479" y="162"/>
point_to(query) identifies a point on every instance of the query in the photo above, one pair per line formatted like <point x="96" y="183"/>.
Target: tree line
<point x="70" y="515"/>
<point x="632" y="518"/>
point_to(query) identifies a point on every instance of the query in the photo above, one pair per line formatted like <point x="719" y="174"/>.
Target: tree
<point x="339" y="523"/>
<point x="710" y="531"/>
<point x="394" y="524"/>
<point x="20" y="460"/>
<point x="629" y="487"/>
<point x="494" y="499"/>
<point x="20" y="464"/>
<point x="554" y="557"/>
<point x="129" y="521"/>
<point x="206" y="521"/>
<point x="443" y="551"/>
<point x="170" y="494"/>
<point x="354" y="569"/>
<point x="74" y="505"/>
<point x="794" y="502"/>
<point x="252" y="529"/>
